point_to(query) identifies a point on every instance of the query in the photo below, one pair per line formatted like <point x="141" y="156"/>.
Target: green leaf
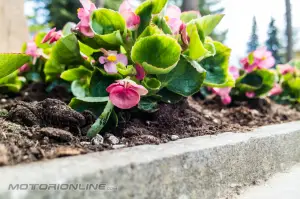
<point x="100" y="81"/>
<point x="149" y="31"/>
<point x="197" y="50"/>
<point x="185" y="79"/>
<point x="188" y="16"/>
<point x="87" y="50"/>
<point x="101" y="121"/>
<point x="111" y="42"/>
<point x="169" y="96"/>
<point x="10" y="62"/>
<point x="67" y="29"/>
<point x="145" y="11"/>
<point x="76" y="74"/>
<point x="153" y="85"/>
<point x="80" y="105"/>
<point x="11" y="83"/>
<point x="105" y="21"/>
<point x="217" y="67"/>
<point x="292" y="87"/>
<point x="79" y="89"/>
<point x="158" y="54"/>
<point x="161" y="23"/>
<point x="207" y="24"/>
<point x="93" y="99"/>
<point x="53" y="69"/>
<point x="66" y="51"/>
<point x="260" y="81"/>
<point x="38" y="41"/>
<point x="148" y="105"/>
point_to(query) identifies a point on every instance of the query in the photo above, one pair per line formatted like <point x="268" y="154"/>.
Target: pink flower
<point x="125" y="94"/>
<point x="224" y="94"/>
<point x="110" y="60"/>
<point x="276" y="90"/>
<point x="24" y="68"/>
<point x="84" y="16"/>
<point x="264" y="57"/>
<point x="285" y="68"/>
<point x="140" y="72"/>
<point x="250" y="94"/>
<point x="172" y="17"/>
<point x="32" y="49"/>
<point x="234" y="71"/>
<point x="132" y="20"/>
<point x="52" y="36"/>
<point x="184" y="35"/>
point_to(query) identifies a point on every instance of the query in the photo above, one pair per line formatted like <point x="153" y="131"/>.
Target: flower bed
<point x="143" y="75"/>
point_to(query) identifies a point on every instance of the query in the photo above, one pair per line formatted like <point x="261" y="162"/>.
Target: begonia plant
<point x="135" y="58"/>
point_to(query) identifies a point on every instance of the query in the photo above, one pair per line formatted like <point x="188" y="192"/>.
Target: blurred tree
<point x="206" y="7"/>
<point x="273" y="43"/>
<point x="59" y="12"/>
<point x="289" y="30"/>
<point x="253" y="43"/>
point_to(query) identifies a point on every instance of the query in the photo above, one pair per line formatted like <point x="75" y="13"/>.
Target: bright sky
<point x="238" y="21"/>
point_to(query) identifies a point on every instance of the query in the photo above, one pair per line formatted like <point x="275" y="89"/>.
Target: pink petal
<point x="184" y="35"/>
<point x="102" y="60"/>
<point x="124" y="98"/>
<point x="285" y="68"/>
<point x="122" y="58"/>
<point x="31" y="49"/>
<point x="260" y="53"/>
<point x="234" y="71"/>
<point x="250" y="94"/>
<point x="140" y="72"/>
<point x="87" y="5"/>
<point x="174" y="24"/>
<point x="87" y="31"/>
<point x="226" y="100"/>
<point x="24" y="68"/>
<point x="49" y="35"/>
<point x="276" y="90"/>
<point x="141" y="90"/>
<point x="125" y="6"/>
<point x="268" y="63"/>
<point x="112" y="86"/>
<point x="173" y="12"/>
<point x="110" y="68"/>
<point x="132" y="20"/>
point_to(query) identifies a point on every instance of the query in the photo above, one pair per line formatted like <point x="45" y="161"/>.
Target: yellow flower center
<point x="78" y="10"/>
<point x="264" y="58"/>
<point x="167" y="18"/>
<point x="112" y="58"/>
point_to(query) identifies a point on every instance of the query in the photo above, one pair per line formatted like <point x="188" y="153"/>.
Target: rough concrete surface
<point x="281" y="186"/>
<point x="205" y="167"/>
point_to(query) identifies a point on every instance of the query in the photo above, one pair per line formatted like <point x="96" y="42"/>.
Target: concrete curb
<point x="204" y="167"/>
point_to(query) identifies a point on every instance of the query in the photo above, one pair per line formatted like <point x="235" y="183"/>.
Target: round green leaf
<point x="106" y="21"/>
<point x="75" y="74"/>
<point x="217" y="67"/>
<point x="10" y="62"/>
<point x="158" y="54"/>
<point x="185" y="79"/>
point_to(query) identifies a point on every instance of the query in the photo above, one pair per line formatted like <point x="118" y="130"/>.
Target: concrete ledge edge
<point x="203" y="167"/>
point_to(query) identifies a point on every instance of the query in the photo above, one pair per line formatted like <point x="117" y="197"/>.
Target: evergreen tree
<point x="272" y="43"/>
<point x="253" y="43"/>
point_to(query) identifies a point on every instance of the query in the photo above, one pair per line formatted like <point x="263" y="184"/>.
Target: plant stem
<point x="101" y="121"/>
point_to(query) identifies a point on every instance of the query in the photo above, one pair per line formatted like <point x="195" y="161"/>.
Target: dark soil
<point x="32" y="131"/>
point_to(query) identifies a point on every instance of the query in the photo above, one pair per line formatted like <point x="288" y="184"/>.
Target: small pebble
<point x="85" y="143"/>
<point x="97" y="140"/>
<point x="112" y="139"/>
<point x="174" y="137"/>
<point x="3" y="100"/>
